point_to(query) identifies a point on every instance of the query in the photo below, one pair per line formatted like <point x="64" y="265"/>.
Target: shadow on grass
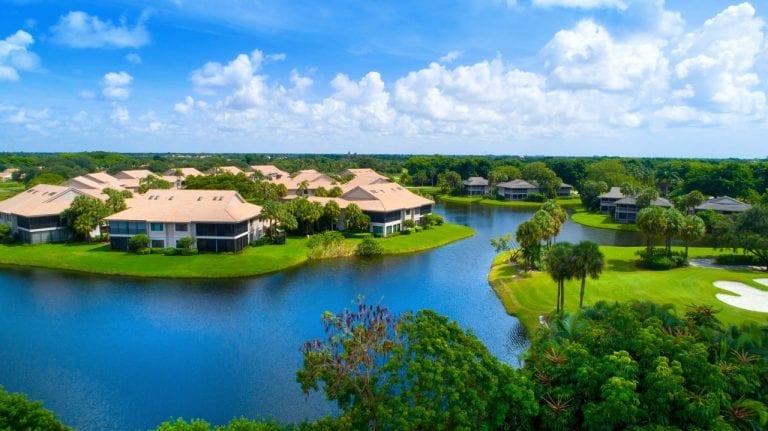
<point x="619" y="265"/>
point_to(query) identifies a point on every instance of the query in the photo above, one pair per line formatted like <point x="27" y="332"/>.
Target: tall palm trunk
<point x="581" y="292"/>
<point x="557" y="305"/>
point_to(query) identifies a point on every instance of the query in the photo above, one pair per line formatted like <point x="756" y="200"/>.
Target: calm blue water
<point x="124" y="354"/>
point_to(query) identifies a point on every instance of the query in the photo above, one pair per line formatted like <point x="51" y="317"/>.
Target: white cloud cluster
<point x="116" y="85"/>
<point x="15" y="55"/>
<point x="77" y="29"/>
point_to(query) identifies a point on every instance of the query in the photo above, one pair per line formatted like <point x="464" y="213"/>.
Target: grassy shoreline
<point x="600" y="221"/>
<point x="253" y="261"/>
<point x="563" y="202"/>
<point x="527" y="296"/>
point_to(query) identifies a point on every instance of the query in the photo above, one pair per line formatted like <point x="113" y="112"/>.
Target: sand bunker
<point x="749" y="297"/>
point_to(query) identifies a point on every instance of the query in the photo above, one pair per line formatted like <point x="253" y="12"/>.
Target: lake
<point x="126" y="353"/>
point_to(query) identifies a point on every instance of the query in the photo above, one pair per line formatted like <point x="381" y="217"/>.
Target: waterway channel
<point x="124" y="353"/>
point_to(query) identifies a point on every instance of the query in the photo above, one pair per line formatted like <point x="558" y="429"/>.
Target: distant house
<point x="724" y="205"/>
<point x="218" y="220"/>
<point x="34" y="215"/>
<point x="96" y="182"/>
<point x="269" y="172"/>
<point x="7" y="175"/>
<point x="388" y="205"/>
<point x="626" y="209"/>
<point x="476" y="186"/>
<point x="565" y="190"/>
<point x="362" y="177"/>
<point x="608" y="200"/>
<point x="516" y="190"/>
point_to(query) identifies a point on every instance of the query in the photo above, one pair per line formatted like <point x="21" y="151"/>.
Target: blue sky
<point x="555" y="77"/>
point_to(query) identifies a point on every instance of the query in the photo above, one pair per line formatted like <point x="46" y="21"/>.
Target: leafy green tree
<point x="449" y="182"/>
<point x="355" y="220"/>
<point x="45" y="178"/>
<point x="413" y="372"/>
<point x="6" y="235"/>
<point x="652" y="223"/>
<point x="321" y="192"/>
<point x="560" y="266"/>
<point x="548" y="181"/>
<point x="85" y="214"/>
<point x="276" y="214"/>
<point x="504" y="173"/>
<point x="628" y="189"/>
<point x="152" y="182"/>
<point x="692" y="229"/>
<point x="610" y="171"/>
<point x="503" y="244"/>
<point x="588" y="261"/>
<point x="306" y="213"/>
<point x="18" y="413"/>
<point x="590" y="192"/>
<point x="750" y="232"/>
<point x="240" y="424"/>
<point x="646" y="196"/>
<point x="335" y="192"/>
<point x="691" y="200"/>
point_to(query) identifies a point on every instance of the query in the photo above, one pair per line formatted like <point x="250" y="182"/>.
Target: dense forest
<point x="743" y="179"/>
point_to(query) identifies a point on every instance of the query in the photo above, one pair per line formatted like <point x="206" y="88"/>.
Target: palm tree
<point x="588" y="260"/>
<point x="303" y="188"/>
<point x="560" y="268"/>
<point x="652" y="224"/>
<point x="557" y="213"/>
<point x="672" y="228"/>
<point x="693" y="229"/>
<point x="546" y="225"/>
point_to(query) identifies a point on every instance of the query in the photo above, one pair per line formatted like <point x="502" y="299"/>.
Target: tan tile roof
<point x="97" y="181"/>
<point x="135" y="174"/>
<point x="314" y="178"/>
<point x="40" y="200"/>
<point x="184" y="206"/>
<point x="384" y="197"/>
<point x="234" y="170"/>
<point x="185" y="172"/>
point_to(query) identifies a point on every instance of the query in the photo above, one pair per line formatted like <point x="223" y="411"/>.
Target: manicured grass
<point x="99" y="259"/>
<point x="10" y="188"/>
<point x="571" y="202"/>
<point x="600" y="221"/>
<point x="530" y="295"/>
<point x="424" y="190"/>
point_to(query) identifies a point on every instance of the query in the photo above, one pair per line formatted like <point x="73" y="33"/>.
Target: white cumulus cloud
<point x="15" y="55"/>
<point x="116" y="85"/>
<point x="78" y="29"/>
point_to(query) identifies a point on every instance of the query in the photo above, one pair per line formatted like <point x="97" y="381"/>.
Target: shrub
<point x="369" y="247"/>
<point x="409" y="223"/>
<point x="536" y="197"/>
<point x="737" y="259"/>
<point x="328" y="244"/>
<point x="189" y="251"/>
<point x="144" y="251"/>
<point x="325" y="238"/>
<point x="185" y="242"/>
<point x="156" y="251"/>
<point x="260" y="242"/>
<point x="406" y="231"/>
<point x="658" y="260"/>
<point x="171" y="251"/>
<point x="5" y="234"/>
<point x="428" y="220"/>
<point x="138" y="242"/>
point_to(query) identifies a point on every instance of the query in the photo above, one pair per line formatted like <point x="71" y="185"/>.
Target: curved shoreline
<point x="98" y="259"/>
<point x="600" y="221"/>
<point x="522" y="205"/>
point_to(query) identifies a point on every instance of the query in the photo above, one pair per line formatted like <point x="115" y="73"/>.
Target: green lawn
<point x="533" y="294"/>
<point x="600" y="221"/>
<point x="10" y="188"/>
<point x="570" y="202"/>
<point x="99" y="259"/>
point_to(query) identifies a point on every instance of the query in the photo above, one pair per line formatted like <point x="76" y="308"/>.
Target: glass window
<point x="158" y="243"/>
<point x="181" y="227"/>
<point x="156" y="227"/>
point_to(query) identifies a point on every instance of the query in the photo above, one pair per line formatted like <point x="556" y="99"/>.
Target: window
<point x="156" y="227"/>
<point x="181" y="227"/>
<point x="158" y="243"/>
